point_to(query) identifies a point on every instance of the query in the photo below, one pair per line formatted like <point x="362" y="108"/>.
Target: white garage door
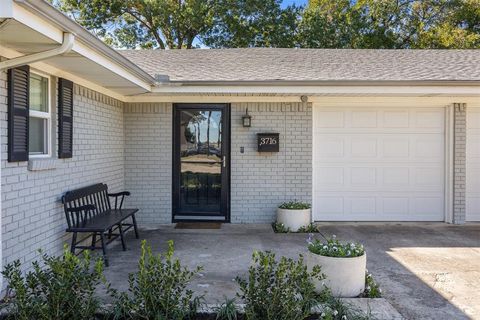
<point x="473" y="165"/>
<point x="378" y="164"/>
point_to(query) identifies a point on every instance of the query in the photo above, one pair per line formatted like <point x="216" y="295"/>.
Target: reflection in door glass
<point x="200" y="161"/>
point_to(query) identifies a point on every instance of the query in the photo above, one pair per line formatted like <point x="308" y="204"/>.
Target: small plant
<point x="295" y="205"/>
<point x="158" y="289"/>
<point x="280" y="228"/>
<point x="63" y="289"/>
<point x="227" y="310"/>
<point x="311" y="228"/>
<point x="278" y="290"/>
<point x="336" y="309"/>
<point x="372" y="289"/>
<point x="334" y="248"/>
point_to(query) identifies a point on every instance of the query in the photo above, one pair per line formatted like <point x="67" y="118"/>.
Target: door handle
<point x="224" y="162"/>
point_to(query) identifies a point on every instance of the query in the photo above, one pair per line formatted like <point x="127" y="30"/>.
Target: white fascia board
<point x="184" y="98"/>
<point x="38" y="24"/>
<point x="320" y="90"/>
<point x="48" y="69"/>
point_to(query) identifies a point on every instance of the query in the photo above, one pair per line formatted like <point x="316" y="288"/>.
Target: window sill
<point x="40" y="164"/>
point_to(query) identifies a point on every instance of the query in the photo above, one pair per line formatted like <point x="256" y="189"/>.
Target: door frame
<point x="226" y="151"/>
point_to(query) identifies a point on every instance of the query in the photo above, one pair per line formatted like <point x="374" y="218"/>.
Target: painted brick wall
<point x="459" y="177"/>
<point x="259" y="181"/>
<point x="32" y="216"/>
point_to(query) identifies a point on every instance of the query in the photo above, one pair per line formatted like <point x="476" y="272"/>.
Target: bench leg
<point x="104" y="248"/>
<point x="120" y="230"/>
<point x="94" y="240"/>
<point x="110" y="234"/>
<point x="74" y="243"/>
<point x="134" y="221"/>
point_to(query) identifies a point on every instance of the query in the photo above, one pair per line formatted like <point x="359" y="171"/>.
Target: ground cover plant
<point x="332" y="247"/>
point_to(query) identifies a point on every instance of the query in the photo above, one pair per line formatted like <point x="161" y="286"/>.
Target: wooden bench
<point x="88" y="210"/>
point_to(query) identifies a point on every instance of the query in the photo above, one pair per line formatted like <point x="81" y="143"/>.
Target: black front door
<point x="201" y="157"/>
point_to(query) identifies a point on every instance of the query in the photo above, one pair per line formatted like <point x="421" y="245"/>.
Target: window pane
<point x="37" y="136"/>
<point x="38" y="93"/>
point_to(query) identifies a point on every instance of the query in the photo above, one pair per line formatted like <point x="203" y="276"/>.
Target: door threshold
<point x="179" y="218"/>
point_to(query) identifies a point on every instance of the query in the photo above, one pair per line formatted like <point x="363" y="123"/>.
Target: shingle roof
<point x="266" y="64"/>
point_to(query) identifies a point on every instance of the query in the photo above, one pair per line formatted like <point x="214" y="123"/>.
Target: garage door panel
<point x="473" y="165"/>
<point x="384" y="164"/>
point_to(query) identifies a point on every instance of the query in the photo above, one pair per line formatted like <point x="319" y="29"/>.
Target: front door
<point x="201" y="152"/>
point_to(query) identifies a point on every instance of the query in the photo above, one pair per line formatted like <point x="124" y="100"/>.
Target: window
<point x="40" y="116"/>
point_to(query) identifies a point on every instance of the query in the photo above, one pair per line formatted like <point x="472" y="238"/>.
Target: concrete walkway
<point x="426" y="271"/>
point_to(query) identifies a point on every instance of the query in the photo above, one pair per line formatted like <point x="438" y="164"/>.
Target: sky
<point x="297" y="2"/>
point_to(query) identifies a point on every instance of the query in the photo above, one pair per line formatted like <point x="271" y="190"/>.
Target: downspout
<point x="68" y="41"/>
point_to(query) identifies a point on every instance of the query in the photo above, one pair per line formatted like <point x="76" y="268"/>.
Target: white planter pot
<point x="293" y="219"/>
<point x="344" y="276"/>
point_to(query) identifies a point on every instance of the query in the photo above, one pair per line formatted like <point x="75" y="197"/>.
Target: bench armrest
<point x="119" y="194"/>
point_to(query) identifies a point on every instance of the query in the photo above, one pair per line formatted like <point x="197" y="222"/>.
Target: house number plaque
<point x="268" y="142"/>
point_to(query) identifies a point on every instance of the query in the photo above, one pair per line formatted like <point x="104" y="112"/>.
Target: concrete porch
<point x="426" y="270"/>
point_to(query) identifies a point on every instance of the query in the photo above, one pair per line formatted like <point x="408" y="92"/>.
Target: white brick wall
<point x="460" y="157"/>
<point x="148" y="160"/>
<point x="259" y="181"/>
<point x="32" y="216"/>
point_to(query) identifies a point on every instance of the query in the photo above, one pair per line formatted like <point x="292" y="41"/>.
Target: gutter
<point x="59" y="19"/>
<point x="320" y="83"/>
<point x="66" y="46"/>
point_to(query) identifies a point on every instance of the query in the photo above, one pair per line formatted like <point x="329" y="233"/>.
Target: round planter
<point x="344" y="276"/>
<point x="293" y="219"/>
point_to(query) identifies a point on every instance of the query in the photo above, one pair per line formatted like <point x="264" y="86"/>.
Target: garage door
<point x="378" y="164"/>
<point x="473" y="165"/>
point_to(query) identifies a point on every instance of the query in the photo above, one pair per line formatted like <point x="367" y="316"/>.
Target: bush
<point x="278" y="290"/>
<point x="334" y="248"/>
<point x="295" y="205"/>
<point x="63" y="289"/>
<point x="372" y="289"/>
<point x="157" y="290"/>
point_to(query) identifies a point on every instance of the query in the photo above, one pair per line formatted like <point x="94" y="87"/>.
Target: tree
<point x="143" y="23"/>
<point x="253" y="23"/>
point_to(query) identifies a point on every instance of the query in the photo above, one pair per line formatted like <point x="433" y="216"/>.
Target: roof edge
<point x="59" y="19"/>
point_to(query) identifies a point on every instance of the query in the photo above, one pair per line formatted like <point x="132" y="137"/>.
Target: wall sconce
<point x="246" y="119"/>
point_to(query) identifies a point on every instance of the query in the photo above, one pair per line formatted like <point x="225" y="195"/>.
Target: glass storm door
<point x="201" y="162"/>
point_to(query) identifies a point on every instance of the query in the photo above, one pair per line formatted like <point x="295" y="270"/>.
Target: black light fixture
<point x="246" y="119"/>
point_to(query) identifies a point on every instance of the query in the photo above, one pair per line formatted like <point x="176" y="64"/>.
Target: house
<point x="227" y="135"/>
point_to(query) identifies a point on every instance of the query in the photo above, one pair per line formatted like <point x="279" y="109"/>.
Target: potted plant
<point x="343" y="264"/>
<point x="294" y="215"/>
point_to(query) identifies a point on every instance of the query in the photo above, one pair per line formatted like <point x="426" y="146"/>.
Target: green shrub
<point x="334" y="248"/>
<point x="295" y="205"/>
<point x="280" y="228"/>
<point x="63" y="289"/>
<point x="372" y="289"/>
<point x="158" y="290"/>
<point x="278" y="290"/>
<point x="311" y="228"/>
<point x="227" y="310"/>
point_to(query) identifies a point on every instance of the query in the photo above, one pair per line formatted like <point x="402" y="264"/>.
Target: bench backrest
<point x="96" y="195"/>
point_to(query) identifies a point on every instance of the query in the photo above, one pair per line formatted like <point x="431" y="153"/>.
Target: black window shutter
<point x="18" y="113"/>
<point x="65" y="118"/>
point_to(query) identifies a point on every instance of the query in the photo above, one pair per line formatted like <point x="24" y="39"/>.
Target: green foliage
<point x="372" y="289"/>
<point x="158" y="290"/>
<point x="64" y="288"/>
<point x="336" y="309"/>
<point x="253" y="23"/>
<point x="280" y="228"/>
<point x="265" y="23"/>
<point x="334" y="248"/>
<point x="227" y="310"/>
<point x="278" y="290"/>
<point x="311" y="228"/>
<point x="295" y="205"/>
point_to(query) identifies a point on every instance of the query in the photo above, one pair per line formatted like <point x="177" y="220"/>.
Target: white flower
<point x="380" y="290"/>
<point x="334" y="236"/>
<point x="368" y="288"/>
<point x="335" y="249"/>
<point x="348" y="253"/>
<point x="325" y="247"/>
<point x="335" y="312"/>
<point x="322" y="315"/>
<point x="344" y="317"/>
